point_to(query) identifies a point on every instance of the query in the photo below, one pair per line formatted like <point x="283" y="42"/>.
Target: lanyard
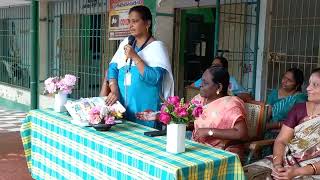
<point x="134" y="46"/>
<point x="128" y="70"/>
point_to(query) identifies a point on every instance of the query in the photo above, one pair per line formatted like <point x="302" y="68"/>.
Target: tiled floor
<point x="10" y="120"/>
<point x="13" y="164"/>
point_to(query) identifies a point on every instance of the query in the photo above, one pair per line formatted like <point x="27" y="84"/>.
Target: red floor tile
<point x="13" y="164"/>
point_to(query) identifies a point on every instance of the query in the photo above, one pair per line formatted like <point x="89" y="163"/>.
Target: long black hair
<point x="221" y="76"/>
<point x="145" y="15"/>
<point x="223" y="61"/>
<point x="298" y="77"/>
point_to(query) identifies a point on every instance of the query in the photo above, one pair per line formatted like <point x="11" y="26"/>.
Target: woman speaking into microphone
<point x="140" y="71"/>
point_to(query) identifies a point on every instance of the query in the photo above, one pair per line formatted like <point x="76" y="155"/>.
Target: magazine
<point x="79" y="109"/>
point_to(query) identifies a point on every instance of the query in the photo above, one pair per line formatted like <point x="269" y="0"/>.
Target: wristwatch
<point x="210" y="132"/>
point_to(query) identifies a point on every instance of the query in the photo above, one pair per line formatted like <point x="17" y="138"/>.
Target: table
<point x="57" y="149"/>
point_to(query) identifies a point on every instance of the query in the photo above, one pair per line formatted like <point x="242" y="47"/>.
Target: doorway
<point x="196" y="43"/>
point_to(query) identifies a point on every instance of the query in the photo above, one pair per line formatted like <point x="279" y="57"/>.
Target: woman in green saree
<point x="283" y="99"/>
<point x="296" y="151"/>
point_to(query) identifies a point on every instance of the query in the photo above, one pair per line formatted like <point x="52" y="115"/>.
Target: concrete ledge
<point x="22" y="96"/>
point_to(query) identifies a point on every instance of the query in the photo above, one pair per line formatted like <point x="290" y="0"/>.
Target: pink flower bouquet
<point x="104" y="115"/>
<point x="176" y="110"/>
<point x="56" y="84"/>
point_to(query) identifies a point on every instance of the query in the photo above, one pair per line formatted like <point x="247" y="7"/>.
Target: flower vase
<point x="60" y="100"/>
<point x="176" y="138"/>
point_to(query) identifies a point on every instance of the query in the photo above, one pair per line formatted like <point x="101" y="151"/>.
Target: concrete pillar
<point x="262" y="58"/>
<point x="165" y="31"/>
<point x="43" y="40"/>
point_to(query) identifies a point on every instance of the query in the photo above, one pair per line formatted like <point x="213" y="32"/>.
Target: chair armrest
<point x="255" y="145"/>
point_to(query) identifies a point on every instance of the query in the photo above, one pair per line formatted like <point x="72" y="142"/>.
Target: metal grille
<point x="14" y="46"/>
<point x="238" y="39"/>
<point x="294" y="38"/>
<point x="78" y="43"/>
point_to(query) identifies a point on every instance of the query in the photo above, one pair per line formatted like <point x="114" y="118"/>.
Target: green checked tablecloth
<point x="57" y="149"/>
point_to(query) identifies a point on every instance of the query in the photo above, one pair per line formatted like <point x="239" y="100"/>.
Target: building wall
<point x="164" y="30"/>
<point x="165" y="25"/>
<point x="23" y="96"/>
<point x="293" y="39"/>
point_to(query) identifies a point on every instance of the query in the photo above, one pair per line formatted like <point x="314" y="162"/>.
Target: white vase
<point x="60" y="100"/>
<point x="176" y="138"/>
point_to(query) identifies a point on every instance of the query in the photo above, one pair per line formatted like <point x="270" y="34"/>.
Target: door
<point x="196" y="44"/>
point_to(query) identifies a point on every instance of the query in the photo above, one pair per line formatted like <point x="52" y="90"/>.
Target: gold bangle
<point x="314" y="168"/>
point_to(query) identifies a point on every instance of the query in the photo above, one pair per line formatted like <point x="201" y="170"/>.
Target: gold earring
<point x="147" y="29"/>
<point x="218" y="92"/>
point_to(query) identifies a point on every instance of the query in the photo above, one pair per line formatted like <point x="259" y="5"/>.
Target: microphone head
<point x="131" y="40"/>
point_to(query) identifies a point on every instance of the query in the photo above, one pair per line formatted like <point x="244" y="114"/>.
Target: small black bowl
<point x="102" y="127"/>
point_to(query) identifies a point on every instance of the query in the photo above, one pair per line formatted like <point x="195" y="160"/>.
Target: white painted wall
<point x="11" y="3"/>
<point x="23" y="96"/>
<point x="165" y="25"/>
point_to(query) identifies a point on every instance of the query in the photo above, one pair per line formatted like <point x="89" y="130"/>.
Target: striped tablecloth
<point x="57" y="149"/>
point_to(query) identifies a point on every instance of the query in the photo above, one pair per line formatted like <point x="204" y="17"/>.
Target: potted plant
<point x="176" y="113"/>
<point x="61" y="87"/>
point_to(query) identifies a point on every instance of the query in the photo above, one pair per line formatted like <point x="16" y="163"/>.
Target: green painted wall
<point x="13" y="105"/>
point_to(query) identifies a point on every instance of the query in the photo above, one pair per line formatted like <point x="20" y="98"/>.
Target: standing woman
<point x="139" y="81"/>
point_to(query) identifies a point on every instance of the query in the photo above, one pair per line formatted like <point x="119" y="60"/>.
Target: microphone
<point x="130" y="42"/>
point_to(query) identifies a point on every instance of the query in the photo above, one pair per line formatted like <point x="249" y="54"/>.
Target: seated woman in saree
<point x="223" y="116"/>
<point x="296" y="151"/>
<point x="283" y="99"/>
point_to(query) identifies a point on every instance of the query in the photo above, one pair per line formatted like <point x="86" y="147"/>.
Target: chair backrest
<point x="256" y="119"/>
<point x="190" y="92"/>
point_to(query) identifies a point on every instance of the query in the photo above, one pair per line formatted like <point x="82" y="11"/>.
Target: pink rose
<point x="196" y="102"/>
<point x="94" y="119"/>
<point x="94" y="115"/>
<point x="174" y="100"/>
<point x="164" y="117"/>
<point x="181" y="111"/>
<point x="51" y="84"/>
<point x="197" y="111"/>
<point x="109" y="120"/>
<point x="69" y="80"/>
<point x="95" y="110"/>
<point x="163" y="108"/>
<point x="186" y="105"/>
<point x="64" y="88"/>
